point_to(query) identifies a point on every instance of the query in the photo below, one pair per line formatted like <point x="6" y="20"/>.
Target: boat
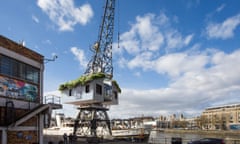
<point x="60" y="125"/>
<point x="130" y="129"/>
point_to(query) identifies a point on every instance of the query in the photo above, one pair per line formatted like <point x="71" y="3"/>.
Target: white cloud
<point x="79" y="54"/>
<point x="35" y="19"/>
<point x="64" y="14"/>
<point x="223" y="30"/>
<point x="144" y="34"/>
<point x="47" y="42"/>
<point x="198" y="79"/>
<point x="191" y="92"/>
<point x="146" y="39"/>
<point x="220" y="8"/>
<point x="178" y="63"/>
<point x="175" y="39"/>
<point x="142" y="60"/>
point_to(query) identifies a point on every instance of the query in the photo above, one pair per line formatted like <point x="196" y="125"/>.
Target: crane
<point x="102" y="58"/>
<point x="95" y="89"/>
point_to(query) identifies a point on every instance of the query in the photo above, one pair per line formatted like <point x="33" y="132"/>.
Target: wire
<point x="118" y="23"/>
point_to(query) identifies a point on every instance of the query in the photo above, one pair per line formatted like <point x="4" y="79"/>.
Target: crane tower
<point x="95" y="89"/>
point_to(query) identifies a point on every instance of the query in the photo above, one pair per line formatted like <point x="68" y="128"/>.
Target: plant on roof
<point x="81" y="81"/>
<point x="117" y="86"/>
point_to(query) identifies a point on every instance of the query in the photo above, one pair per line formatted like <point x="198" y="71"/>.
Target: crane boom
<point x="102" y="58"/>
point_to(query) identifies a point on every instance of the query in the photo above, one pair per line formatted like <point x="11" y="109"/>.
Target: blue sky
<point x="175" y="56"/>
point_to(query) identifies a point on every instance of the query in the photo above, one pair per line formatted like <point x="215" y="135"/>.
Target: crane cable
<point x="118" y="23"/>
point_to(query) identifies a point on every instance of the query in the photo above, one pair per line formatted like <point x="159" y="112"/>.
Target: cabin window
<point x="87" y="89"/>
<point x="115" y="95"/>
<point x="98" y="89"/>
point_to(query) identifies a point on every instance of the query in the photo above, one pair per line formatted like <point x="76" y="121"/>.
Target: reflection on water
<point x="166" y="137"/>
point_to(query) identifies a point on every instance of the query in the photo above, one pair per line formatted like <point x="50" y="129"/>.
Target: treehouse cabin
<point x="90" y="89"/>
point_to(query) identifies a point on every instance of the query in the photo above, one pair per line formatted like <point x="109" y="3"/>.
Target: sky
<point x="172" y="57"/>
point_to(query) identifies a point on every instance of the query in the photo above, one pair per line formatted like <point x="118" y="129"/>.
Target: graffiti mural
<point x="18" y="89"/>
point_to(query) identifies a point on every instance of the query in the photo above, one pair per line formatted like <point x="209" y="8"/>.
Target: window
<point x="6" y="67"/>
<point x="70" y="92"/>
<point x="17" y="69"/>
<point x="32" y="74"/>
<point x="98" y="89"/>
<point x="115" y="95"/>
<point x="87" y="89"/>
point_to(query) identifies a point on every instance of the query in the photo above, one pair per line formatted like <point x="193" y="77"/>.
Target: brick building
<point x="22" y="112"/>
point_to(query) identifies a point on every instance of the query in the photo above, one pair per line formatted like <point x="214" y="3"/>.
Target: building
<point x="22" y="112"/>
<point x="220" y="117"/>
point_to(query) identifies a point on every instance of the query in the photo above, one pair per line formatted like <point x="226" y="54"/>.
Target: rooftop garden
<point x="83" y="80"/>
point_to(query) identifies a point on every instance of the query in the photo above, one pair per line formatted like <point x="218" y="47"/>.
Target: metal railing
<point x="52" y="99"/>
<point x="169" y="140"/>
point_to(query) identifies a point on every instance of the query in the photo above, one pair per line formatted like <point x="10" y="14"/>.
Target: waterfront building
<point x="220" y="117"/>
<point x="22" y="112"/>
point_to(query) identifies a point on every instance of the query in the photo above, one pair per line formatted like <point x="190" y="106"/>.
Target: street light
<point x="52" y="59"/>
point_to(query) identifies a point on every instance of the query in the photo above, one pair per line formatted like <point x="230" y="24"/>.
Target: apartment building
<point x="22" y="111"/>
<point x="221" y="117"/>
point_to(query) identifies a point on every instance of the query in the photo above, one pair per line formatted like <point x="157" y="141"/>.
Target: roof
<point x="224" y="106"/>
<point x="20" y="49"/>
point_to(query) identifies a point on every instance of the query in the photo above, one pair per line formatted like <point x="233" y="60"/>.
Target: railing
<point x="169" y="140"/>
<point x="52" y="99"/>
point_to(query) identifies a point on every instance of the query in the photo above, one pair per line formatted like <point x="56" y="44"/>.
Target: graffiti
<point x="18" y="89"/>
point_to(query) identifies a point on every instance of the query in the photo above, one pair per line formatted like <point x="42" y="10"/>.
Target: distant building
<point x="221" y="117"/>
<point x="22" y="111"/>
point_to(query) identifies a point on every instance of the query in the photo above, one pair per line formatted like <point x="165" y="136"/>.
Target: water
<point x="166" y="137"/>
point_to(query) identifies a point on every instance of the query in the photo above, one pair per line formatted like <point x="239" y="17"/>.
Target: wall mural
<point x="18" y="89"/>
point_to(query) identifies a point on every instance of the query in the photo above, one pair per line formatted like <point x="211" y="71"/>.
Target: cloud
<point x="191" y="92"/>
<point x="49" y="42"/>
<point x="149" y="36"/>
<point x="144" y="34"/>
<point x="223" y="30"/>
<point x="198" y="77"/>
<point x="35" y="19"/>
<point x="142" y="60"/>
<point x="64" y="14"/>
<point x="175" y="40"/>
<point x="220" y="8"/>
<point x="79" y="54"/>
<point x="177" y="64"/>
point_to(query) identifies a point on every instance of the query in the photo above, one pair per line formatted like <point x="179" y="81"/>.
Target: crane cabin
<point x="90" y="89"/>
